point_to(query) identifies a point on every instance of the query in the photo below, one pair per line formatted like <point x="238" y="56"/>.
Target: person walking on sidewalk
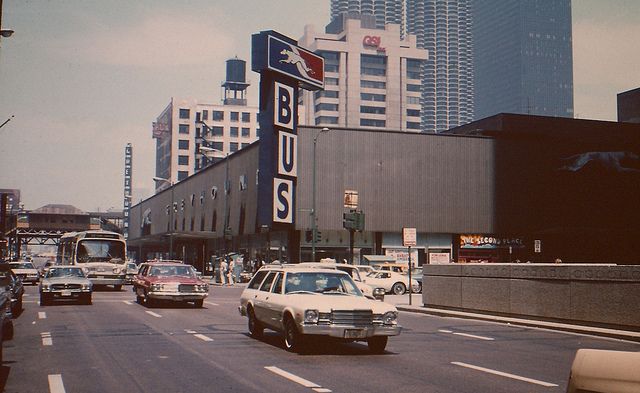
<point x="230" y="269"/>
<point x="224" y="270"/>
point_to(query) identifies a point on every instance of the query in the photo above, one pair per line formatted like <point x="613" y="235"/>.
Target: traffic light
<point x="348" y="220"/>
<point x="359" y="221"/>
<point x="308" y="236"/>
<point x="318" y="236"/>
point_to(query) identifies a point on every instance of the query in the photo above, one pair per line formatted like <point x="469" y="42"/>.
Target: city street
<point x="117" y="345"/>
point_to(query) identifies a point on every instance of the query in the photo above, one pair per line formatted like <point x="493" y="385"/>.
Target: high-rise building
<point x="443" y="28"/>
<point x="629" y="106"/>
<point x="372" y="76"/>
<point x="191" y="134"/>
<point x="523" y="57"/>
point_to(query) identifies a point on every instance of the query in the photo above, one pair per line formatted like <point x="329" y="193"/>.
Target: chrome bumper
<point x="350" y="332"/>
<point x="177" y="296"/>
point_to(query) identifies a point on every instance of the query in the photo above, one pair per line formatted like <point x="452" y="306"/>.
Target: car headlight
<point x="156" y="287"/>
<point x="86" y="287"/>
<point x="378" y="292"/>
<point x="45" y="287"/>
<point x="390" y="318"/>
<point x="311" y="316"/>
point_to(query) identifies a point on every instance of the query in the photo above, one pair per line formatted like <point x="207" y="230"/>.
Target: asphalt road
<point x="116" y="345"/>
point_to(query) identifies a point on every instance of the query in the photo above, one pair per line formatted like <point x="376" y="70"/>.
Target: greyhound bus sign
<point x="283" y="68"/>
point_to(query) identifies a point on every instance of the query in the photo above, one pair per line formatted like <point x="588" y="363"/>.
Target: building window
<point x="217" y="115"/>
<point x="372" y="123"/>
<point x="373" y="97"/>
<point x="412" y="87"/>
<point x="326" y="93"/>
<point x="217" y="131"/>
<point x="413" y="100"/>
<point x="413" y="125"/>
<point x="413" y="112"/>
<point x="326" y="107"/>
<point x="234" y="131"/>
<point x="205" y="114"/>
<point x="373" y="84"/>
<point x="326" y="120"/>
<point x="183" y="160"/>
<point x="233" y="146"/>
<point x="183" y="144"/>
<point x="246" y="131"/>
<point x="331" y="61"/>
<point x="246" y="117"/>
<point x="413" y="69"/>
<point x="218" y="146"/>
<point x="378" y="110"/>
<point x="184" y="113"/>
<point x="331" y="81"/>
<point x="183" y="128"/>
<point x="182" y="175"/>
<point x="235" y="116"/>
<point x="373" y="65"/>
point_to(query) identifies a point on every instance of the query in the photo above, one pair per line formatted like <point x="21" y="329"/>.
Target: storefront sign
<point x="409" y="237"/>
<point x="401" y="255"/>
<point x="439" y="258"/>
<point x="483" y="241"/>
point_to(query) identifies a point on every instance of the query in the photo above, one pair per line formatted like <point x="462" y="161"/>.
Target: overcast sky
<point x="85" y="77"/>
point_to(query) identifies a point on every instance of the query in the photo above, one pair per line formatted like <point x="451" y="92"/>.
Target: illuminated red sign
<point x="373" y="42"/>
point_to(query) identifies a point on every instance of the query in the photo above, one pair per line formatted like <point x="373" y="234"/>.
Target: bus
<point x="101" y="254"/>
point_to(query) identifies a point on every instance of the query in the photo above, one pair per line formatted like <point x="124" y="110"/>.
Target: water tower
<point x="235" y="87"/>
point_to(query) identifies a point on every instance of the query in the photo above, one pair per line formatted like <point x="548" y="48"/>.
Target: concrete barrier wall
<point x="583" y="293"/>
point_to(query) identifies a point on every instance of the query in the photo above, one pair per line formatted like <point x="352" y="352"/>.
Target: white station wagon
<point x="303" y="301"/>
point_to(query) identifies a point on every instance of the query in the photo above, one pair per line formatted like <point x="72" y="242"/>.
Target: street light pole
<point x="314" y="216"/>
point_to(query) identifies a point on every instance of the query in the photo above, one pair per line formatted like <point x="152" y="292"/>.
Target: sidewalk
<point x="402" y="303"/>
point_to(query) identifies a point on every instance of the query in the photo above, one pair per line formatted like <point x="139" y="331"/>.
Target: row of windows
<point x="326" y="107"/>
<point x="373" y="123"/>
<point x="373" y="109"/>
<point x="326" y="93"/>
<point x="216" y="115"/>
<point x="373" y="97"/>
<point x="373" y="84"/>
<point x="219" y="131"/>
<point x="326" y="120"/>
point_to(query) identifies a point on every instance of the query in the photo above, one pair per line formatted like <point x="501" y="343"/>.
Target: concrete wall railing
<point x="607" y="295"/>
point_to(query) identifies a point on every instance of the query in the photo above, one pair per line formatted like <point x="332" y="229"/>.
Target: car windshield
<point x="132" y="266"/>
<point x="22" y="265"/>
<point x="327" y="283"/>
<point x="65" y="272"/>
<point x="166" y="271"/>
<point x="103" y="250"/>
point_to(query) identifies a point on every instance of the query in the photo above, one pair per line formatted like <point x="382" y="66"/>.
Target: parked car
<point x="392" y="282"/>
<point x="303" y="301"/>
<point x="365" y="269"/>
<point x="13" y="283"/>
<point x="132" y="270"/>
<point x="6" y="321"/>
<point x="394" y="267"/>
<point x="26" y="270"/>
<point x="171" y="280"/>
<point x="65" y="283"/>
<point x="416" y="274"/>
<point x="366" y="289"/>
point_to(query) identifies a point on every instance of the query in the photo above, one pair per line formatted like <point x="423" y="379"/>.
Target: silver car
<point x="309" y="301"/>
<point x="65" y="283"/>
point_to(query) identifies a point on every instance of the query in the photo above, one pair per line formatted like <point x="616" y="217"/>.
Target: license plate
<point x="355" y="333"/>
<point x="65" y="293"/>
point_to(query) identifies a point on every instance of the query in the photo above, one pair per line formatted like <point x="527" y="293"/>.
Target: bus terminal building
<point x="503" y="189"/>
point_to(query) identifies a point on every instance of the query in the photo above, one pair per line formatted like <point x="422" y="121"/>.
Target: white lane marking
<point x="203" y="337"/>
<point x="42" y="315"/>
<point x="466" y="335"/>
<point x="191" y="331"/>
<point x="55" y="383"/>
<point x="154" y="314"/>
<point x="474" y="336"/>
<point x="503" y="374"/>
<point x="127" y="302"/>
<point x="46" y="338"/>
<point x="297" y="379"/>
<point x="212" y="304"/>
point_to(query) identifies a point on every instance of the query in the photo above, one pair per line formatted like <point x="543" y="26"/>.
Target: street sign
<point x="351" y="199"/>
<point x="537" y="246"/>
<point x="409" y="237"/>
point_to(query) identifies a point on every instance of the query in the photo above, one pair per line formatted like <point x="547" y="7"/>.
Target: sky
<point x="83" y="78"/>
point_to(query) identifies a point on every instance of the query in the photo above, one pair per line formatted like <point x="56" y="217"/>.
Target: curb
<point x="588" y="330"/>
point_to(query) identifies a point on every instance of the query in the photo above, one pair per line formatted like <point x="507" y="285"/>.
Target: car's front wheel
<point x="293" y="340"/>
<point x="377" y="344"/>
<point x="198" y="303"/>
<point x="398" y="288"/>
<point x="255" y="327"/>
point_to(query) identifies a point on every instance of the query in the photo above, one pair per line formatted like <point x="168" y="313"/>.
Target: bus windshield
<point x="103" y="250"/>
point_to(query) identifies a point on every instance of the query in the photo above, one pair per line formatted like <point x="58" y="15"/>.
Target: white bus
<point x="101" y="254"/>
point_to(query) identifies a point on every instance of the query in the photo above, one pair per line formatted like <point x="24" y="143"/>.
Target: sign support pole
<point x="410" y="290"/>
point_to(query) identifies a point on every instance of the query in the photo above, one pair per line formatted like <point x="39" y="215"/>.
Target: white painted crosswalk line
<point x="55" y="383"/>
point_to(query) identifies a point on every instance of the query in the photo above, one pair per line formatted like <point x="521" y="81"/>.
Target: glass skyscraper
<point x="523" y="57"/>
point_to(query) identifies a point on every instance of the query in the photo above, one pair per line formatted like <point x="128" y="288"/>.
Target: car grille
<point x="186" y="288"/>
<point x="66" y="286"/>
<point x="352" y="317"/>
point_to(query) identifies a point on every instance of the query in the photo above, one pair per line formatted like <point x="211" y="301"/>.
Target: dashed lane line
<point x="154" y="314"/>
<point x="46" y="338"/>
<point x="211" y="303"/>
<point x="55" y="383"/>
<point x="467" y="335"/>
<point x="128" y="302"/>
<point x="297" y="379"/>
<point x="42" y="315"/>
<point x="506" y="375"/>
<point x="200" y="336"/>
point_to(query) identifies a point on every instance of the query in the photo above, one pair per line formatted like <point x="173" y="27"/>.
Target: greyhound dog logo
<point x="293" y="57"/>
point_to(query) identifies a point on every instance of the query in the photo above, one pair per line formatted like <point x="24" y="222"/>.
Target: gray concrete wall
<point x="583" y="293"/>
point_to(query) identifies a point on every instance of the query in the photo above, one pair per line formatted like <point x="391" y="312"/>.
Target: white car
<point x="26" y="271"/>
<point x="392" y="282"/>
<point x="301" y="301"/>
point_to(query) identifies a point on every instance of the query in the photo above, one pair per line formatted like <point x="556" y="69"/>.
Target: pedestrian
<point x="230" y="269"/>
<point x="224" y="269"/>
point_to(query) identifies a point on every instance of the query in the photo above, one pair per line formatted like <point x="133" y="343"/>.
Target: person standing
<point x="230" y="269"/>
<point x="224" y="270"/>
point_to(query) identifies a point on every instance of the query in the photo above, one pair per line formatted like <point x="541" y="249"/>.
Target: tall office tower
<point x="523" y="57"/>
<point x="443" y="27"/>
<point x="385" y="11"/>
<point x="372" y="76"/>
